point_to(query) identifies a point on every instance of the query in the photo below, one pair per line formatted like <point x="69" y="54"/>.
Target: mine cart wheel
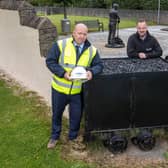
<point x="147" y="143"/>
<point x="145" y="140"/>
<point x="116" y="144"/>
<point x="106" y="143"/>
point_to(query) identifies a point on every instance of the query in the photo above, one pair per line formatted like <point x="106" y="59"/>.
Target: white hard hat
<point x="78" y="73"/>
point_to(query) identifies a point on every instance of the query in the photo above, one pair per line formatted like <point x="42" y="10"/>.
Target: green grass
<point x="25" y="129"/>
<point x="56" y="20"/>
<point x="24" y="132"/>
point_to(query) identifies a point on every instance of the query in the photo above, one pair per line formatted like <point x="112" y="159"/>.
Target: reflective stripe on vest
<point x="65" y="85"/>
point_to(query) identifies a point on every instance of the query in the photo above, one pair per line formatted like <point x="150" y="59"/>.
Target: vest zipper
<point x="75" y="66"/>
<point x="71" y="88"/>
<point x="72" y="81"/>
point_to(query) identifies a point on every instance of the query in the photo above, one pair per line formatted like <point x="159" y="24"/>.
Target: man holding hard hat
<point x="70" y="60"/>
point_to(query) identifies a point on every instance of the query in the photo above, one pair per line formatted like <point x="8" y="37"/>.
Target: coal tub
<point x="130" y="93"/>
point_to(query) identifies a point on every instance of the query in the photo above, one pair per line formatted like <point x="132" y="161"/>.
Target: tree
<point x="65" y="3"/>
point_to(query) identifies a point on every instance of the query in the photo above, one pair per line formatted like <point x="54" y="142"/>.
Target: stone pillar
<point x="27" y="15"/>
<point x="47" y="35"/>
<point x="47" y="31"/>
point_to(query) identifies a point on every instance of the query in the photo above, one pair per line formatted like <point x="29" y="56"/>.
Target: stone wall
<point x="28" y="17"/>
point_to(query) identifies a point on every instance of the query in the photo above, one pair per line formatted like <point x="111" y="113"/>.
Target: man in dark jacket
<point x="142" y="44"/>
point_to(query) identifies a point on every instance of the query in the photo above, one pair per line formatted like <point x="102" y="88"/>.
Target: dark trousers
<point x="112" y="32"/>
<point x="59" y="102"/>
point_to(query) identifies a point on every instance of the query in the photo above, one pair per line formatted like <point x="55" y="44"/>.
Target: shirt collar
<point x="81" y="45"/>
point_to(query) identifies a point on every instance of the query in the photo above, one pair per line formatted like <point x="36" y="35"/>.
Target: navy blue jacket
<point x="53" y="57"/>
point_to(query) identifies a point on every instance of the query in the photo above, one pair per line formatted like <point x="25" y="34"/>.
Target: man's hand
<point x="67" y="75"/>
<point x="89" y="75"/>
<point x="142" y="55"/>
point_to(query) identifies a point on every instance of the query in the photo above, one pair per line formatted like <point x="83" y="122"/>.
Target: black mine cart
<point x="130" y="93"/>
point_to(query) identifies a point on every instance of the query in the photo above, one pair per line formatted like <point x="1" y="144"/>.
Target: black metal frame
<point x="126" y="100"/>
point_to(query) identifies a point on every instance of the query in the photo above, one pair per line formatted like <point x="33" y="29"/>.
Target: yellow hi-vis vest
<point x="67" y="60"/>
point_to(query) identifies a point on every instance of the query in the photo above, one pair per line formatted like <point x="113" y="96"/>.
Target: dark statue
<point x="113" y="38"/>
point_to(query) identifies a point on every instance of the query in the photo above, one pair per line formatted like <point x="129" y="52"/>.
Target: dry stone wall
<point x="28" y="17"/>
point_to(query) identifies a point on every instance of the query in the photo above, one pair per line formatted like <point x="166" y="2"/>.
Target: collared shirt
<point x="80" y="46"/>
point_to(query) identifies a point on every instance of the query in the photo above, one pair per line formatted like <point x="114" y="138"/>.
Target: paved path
<point x="99" y="39"/>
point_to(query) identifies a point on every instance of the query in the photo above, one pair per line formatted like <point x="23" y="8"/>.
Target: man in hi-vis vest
<point x="62" y="58"/>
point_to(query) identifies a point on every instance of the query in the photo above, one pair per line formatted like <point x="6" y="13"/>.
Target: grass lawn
<point x="24" y="132"/>
<point x="56" y="20"/>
